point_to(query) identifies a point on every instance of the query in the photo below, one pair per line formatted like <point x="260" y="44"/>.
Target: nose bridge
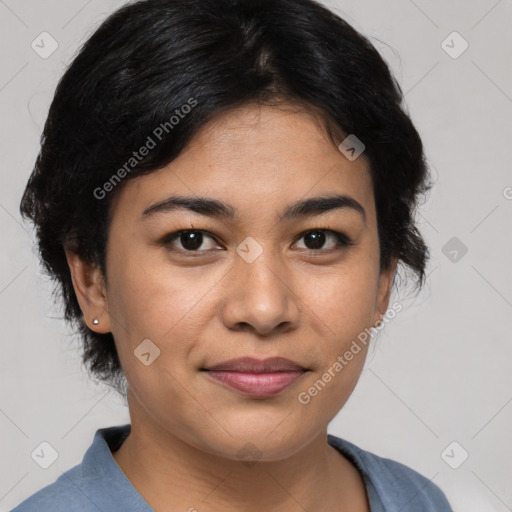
<point x="260" y="294"/>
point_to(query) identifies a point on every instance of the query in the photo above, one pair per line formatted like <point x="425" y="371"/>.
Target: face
<point x="253" y="278"/>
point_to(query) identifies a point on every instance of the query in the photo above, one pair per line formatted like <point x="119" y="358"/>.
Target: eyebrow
<point x="217" y="209"/>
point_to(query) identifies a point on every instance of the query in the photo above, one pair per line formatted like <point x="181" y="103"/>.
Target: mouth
<point x="256" y="378"/>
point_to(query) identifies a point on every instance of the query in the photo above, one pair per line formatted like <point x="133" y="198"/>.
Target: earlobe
<point x="90" y="290"/>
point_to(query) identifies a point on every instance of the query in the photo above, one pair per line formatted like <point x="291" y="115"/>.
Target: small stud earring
<point x="95" y="321"/>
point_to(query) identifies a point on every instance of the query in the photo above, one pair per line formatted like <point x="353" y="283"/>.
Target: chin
<point x="262" y="440"/>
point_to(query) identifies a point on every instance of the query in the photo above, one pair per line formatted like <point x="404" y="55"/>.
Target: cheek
<point x="152" y="297"/>
<point x="341" y="307"/>
<point x="170" y="307"/>
<point x="343" y="299"/>
<point x="149" y="304"/>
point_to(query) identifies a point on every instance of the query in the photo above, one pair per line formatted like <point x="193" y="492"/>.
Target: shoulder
<point x="391" y="484"/>
<point x="97" y="483"/>
<point x="61" y="496"/>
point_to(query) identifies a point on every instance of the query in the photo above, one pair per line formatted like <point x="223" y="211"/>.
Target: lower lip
<point x="257" y="384"/>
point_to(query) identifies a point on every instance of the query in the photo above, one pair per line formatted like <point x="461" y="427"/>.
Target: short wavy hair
<point x="147" y="61"/>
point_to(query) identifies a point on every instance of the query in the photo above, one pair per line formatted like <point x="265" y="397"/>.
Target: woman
<point x="223" y="194"/>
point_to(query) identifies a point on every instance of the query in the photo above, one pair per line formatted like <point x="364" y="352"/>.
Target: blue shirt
<point x="98" y="484"/>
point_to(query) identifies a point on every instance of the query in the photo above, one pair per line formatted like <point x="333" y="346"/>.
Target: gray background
<point x="441" y="370"/>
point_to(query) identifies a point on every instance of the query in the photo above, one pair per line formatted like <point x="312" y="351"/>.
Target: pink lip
<point x="253" y="365"/>
<point x="257" y="384"/>
<point x="257" y="378"/>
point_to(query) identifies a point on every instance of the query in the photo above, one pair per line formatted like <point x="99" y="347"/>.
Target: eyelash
<point x="342" y="240"/>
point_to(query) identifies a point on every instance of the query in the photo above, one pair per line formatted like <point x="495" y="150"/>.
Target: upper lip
<point x="253" y="365"/>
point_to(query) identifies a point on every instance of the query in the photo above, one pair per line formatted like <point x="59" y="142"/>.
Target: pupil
<point x="191" y="240"/>
<point x="315" y="238"/>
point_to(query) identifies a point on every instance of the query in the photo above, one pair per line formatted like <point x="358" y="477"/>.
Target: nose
<point x="260" y="297"/>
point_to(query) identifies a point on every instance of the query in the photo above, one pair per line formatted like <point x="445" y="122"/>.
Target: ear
<point x="90" y="291"/>
<point x="384" y="291"/>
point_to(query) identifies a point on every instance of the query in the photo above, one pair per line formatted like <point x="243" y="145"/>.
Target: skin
<point x="295" y="300"/>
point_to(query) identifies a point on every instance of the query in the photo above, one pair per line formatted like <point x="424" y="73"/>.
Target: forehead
<point x="255" y="158"/>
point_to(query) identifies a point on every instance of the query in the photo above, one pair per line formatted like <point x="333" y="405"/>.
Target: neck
<point x="170" y="474"/>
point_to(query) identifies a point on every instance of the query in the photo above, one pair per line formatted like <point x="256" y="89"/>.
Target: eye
<point x="189" y="239"/>
<point x="315" y="239"/>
